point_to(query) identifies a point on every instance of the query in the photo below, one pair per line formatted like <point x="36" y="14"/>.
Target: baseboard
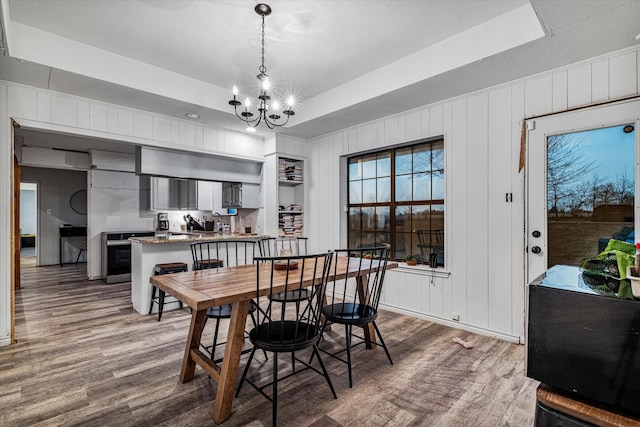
<point x="453" y="324"/>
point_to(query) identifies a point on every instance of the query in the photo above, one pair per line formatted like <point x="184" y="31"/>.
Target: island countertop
<point x="193" y="237"/>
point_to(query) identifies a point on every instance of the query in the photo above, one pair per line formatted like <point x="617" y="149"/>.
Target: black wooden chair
<point x="216" y="254"/>
<point x="290" y="327"/>
<point x="354" y="301"/>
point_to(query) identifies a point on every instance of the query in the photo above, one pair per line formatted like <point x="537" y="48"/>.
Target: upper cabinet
<point x="169" y="193"/>
<point x="290" y="197"/>
<point x="240" y="195"/>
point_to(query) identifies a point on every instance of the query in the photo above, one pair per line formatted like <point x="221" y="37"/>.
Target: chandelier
<point x="267" y="110"/>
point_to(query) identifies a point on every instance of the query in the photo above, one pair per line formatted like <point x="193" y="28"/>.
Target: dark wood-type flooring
<point x="85" y="357"/>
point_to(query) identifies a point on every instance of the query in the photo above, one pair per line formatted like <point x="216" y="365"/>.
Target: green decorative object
<point x="606" y="273"/>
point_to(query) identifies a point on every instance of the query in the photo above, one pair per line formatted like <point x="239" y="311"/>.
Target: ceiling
<point x="345" y="62"/>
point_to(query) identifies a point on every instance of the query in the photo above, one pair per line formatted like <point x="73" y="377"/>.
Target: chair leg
<point x="274" y="415"/>
<point x="215" y="339"/>
<point x="382" y="342"/>
<point x="78" y="257"/>
<point x="244" y="373"/>
<point x="255" y="325"/>
<point x="348" y="334"/>
<point x="160" y="303"/>
<point x="153" y="298"/>
<point x="324" y="370"/>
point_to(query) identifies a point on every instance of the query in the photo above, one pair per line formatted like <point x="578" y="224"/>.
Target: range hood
<point x="177" y="164"/>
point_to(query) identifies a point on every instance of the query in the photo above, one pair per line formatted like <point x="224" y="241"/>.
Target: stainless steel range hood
<point x="176" y="164"/>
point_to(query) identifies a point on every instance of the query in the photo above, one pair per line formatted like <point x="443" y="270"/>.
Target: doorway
<point x="582" y="184"/>
<point x="28" y="221"/>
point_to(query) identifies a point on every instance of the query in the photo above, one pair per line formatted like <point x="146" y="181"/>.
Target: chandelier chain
<point x="262" y="68"/>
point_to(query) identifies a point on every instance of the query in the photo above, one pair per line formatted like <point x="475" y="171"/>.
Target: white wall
<point x="40" y="109"/>
<point x="484" y="234"/>
<point x="484" y="240"/>
<point x="27" y="211"/>
<point x="56" y="188"/>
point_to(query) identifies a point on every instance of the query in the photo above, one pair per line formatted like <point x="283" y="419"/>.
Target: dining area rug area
<point x="84" y="357"/>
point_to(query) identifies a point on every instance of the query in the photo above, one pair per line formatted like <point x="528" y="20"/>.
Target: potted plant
<point x="411" y="259"/>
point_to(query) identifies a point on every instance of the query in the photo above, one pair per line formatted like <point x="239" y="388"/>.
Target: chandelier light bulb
<point x="235" y="91"/>
<point x="265" y="85"/>
<point x="275" y="106"/>
<point x="247" y="103"/>
<point x="290" y="101"/>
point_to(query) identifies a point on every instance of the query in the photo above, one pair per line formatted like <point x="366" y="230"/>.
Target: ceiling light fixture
<point x="193" y="116"/>
<point x="267" y="111"/>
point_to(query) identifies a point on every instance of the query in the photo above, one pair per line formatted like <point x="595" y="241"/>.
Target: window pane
<point x="403" y="161"/>
<point x="382" y="218"/>
<point x="437" y="217"/>
<point x="368" y="220"/>
<point x="355" y="169"/>
<point x="355" y="192"/>
<point x="402" y="245"/>
<point x="402" y="218"/>
<point x="369" y="167"/>
<point x="437" y="157"/>
<point x="354" y="239"/>
<point x="369" y="191"/>
<point x="420" y="218"/>
<point x="437" y="186"/>
<point x="422" y="186"/>
<point x="403" y="188"/>
<point x="368" y="240"/>
<point x="421" y="159"/>
<point x="354" y="219"/>
<point x="384" y="164"/>
<point x="384" y="238"/>
<point x="384" y="190"/>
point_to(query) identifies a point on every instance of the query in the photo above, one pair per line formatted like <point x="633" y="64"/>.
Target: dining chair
<point x="216" y="254"/>
<point x="354" y="301"/>
<point x="290" y="327"/>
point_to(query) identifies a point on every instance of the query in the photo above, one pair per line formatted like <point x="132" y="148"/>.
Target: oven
<point x="116" y="255"/>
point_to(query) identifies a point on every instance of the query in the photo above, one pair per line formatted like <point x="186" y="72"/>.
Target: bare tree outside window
<point x="590" y="192"/>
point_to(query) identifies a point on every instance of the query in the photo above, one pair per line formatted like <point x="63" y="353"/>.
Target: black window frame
<point x="423" y="241"/>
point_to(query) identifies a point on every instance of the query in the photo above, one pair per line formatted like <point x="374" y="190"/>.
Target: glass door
<point x="582" y="170"/>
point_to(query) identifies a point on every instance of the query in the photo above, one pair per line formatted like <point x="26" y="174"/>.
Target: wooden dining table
<point x="237" y="286"/>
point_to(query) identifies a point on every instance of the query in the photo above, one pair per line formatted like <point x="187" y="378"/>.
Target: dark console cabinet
<point x="584" y="343"/>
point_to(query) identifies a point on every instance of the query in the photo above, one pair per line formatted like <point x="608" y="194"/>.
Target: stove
<point x="116" y="254"/>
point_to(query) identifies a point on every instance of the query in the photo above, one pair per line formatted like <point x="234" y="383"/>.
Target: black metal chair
<point x="216" y="254"/>
<point x="354" y="301"/>
<point x="279" y="246"/>
<point x="290" y="327"/>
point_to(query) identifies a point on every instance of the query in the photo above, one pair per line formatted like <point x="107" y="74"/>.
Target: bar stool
<point x="168" y="268"/>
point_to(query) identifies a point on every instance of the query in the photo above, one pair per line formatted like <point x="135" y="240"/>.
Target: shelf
<point x="290" y="212"/>
<point x="290" y="182"/>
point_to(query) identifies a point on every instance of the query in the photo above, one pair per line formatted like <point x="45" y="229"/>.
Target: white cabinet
<point x="205" y="196"/>
<point x="240" y="195"/>
<point x="172" y="194"/>
<point x="290" y="197"/>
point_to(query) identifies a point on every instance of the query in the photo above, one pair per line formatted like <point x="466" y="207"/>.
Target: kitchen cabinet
<point x="240" y="195"/>
<point x="172" y="194"/>
<point x="205" y="196"/>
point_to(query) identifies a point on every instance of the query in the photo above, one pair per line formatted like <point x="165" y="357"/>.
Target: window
<point x="396" y="196"/>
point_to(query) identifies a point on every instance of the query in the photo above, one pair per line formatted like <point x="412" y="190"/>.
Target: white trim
<point x="453" y="324"/>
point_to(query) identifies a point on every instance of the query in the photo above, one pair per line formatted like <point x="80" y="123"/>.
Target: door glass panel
<point x="590" y="192"/>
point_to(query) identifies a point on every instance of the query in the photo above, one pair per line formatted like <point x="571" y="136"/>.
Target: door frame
<point x="538" y="130"/>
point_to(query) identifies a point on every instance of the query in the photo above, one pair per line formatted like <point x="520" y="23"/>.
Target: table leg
<point x="231" y="362"/>
<point x="193" y="342"/>
<point x="369" y="331"/>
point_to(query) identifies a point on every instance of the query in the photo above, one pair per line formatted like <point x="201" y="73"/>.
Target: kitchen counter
<point x="146" y="252"/>
<point x="197" y="236"/>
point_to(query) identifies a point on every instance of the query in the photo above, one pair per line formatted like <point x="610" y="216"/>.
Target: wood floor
<point x="85" y="357"/>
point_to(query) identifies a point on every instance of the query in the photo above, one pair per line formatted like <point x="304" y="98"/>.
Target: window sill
<point x="424" y="270"/>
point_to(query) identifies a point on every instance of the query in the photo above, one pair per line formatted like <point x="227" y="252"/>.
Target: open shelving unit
<point x="290" y="197"/>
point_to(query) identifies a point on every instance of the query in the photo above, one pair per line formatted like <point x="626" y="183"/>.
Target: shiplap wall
<point x="45" y="110"/>
<point x="484" y="238"/>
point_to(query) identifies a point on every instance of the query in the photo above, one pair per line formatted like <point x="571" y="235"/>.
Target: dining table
<point x="202" y="289"/>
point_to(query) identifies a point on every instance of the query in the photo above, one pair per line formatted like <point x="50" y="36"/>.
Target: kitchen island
<point x="146" y="252"/>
